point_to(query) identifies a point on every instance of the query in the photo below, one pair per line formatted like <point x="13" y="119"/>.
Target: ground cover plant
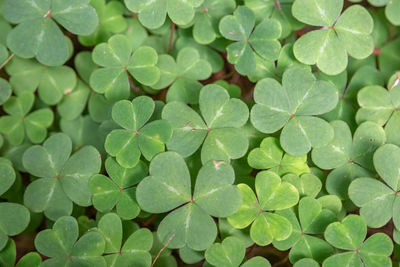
<point x="226" y="133"/>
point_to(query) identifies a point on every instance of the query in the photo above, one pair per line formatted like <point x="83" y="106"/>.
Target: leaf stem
<point x="171" y="37"/>
<point x="161" y="250"/>
<point x="7" y="60"/>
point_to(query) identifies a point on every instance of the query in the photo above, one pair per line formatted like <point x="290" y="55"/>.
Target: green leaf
<point x="119" y="61"/>
<point x="349" y="235"/>
<point x="214" y="191"/>
<point x="137" y="137"/>
<point x="270" y="156"/>
<point x="60" y="244"/>
<point x="291" y="106"/>
<point x="273" y="194"/>
<point x="15" y="219"/>
<point x="268" y="227"/>
<point x="37" y="34"/>
<point x="347" y="34"/>
<point x="342" y="150"/>
<point x="219" y="126"/>
<point x="249" y="44"/>
<point x="7" y="176"/>
<point x="188" y="225"/>
<point x="63" y="178"/>
<point x="117" y="190"/>
<point x="230" y="252"/>
<point x="307" y="184"/>
<point x="5" y="91"/>
<point x="167" y="187"/>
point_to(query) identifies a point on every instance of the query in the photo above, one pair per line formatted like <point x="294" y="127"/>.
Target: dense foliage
<point x="223" y="133"/>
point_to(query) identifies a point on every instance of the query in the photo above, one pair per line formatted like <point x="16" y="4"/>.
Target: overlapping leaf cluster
<point x="201" y="132"/>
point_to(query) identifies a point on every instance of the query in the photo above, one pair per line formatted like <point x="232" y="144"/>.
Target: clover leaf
<point x="272" y="195"/>
<point x="248" y="43"/>
<point x="52" y="83"/>
<point x="271" y="156"/>
<point x="381" y="106"/>
<point x="188" y="69"/>
<point x="136" y="137"/>
<point x="134" y="251"/>
<point x="349" y="235"/>
<point x="62" y="246"/>
<point x="379" y="200"/>
<point x="13" y="220"/>
<point x="169" y="188"/>
<point x="312" y="219"/>
<point x="19" y="121"/>
<point x="205" y="28"/>
<point x="230" y="252"/>
<point x="62" y="179"/>
<point x="117" y="190"/>
<point x="341" y="34"/>
<point x="37" y="33"/>
<point x="111" y="21"/>
<point x="349" y="157"/>
<point x="152" y="14"/>
<point x="218" y="127"/>
<point x="293" y="106"/>
<point x="118" y="62"/>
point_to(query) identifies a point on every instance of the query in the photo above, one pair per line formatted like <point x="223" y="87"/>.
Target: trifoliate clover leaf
<point x="262" y="41"/>
<point x="270" y="155"/>
<point x="169" y="188"/>
<point x="190" y="68"/>
<point x="118" y="62"/>
<point x="37" y="33"/>
<point x="341" y="34"/>
<point x="118" y="191"/>
<point x="230" y="252"/>
<point x="152" y="14"/>
<point x="13" y="220"/>
<point x="279" y="10"/>
<point x="349" y="235"/>
<point x="62" y="246"/>
<point x="312" y="219"/>
<point x="62" y="179"/>
<point x="19" y="122"/>
<point x="5" y="91"/>
<point x="218" y="129"/>
<point x="378" y="200"/>
<point x="205" y="28"/>
<point x="7" y="175"/>
<point x="292" y="106"/>
<point x="134" y="251"/>
<point x="52" y="83"/>
<point x="306" y="262"/>
<point x="111" y="21"/>
<point x="381" y="106"/>
<point x="350" y="157"/>
<point x="137" y="136"/>
<point x="272" y="195"/>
